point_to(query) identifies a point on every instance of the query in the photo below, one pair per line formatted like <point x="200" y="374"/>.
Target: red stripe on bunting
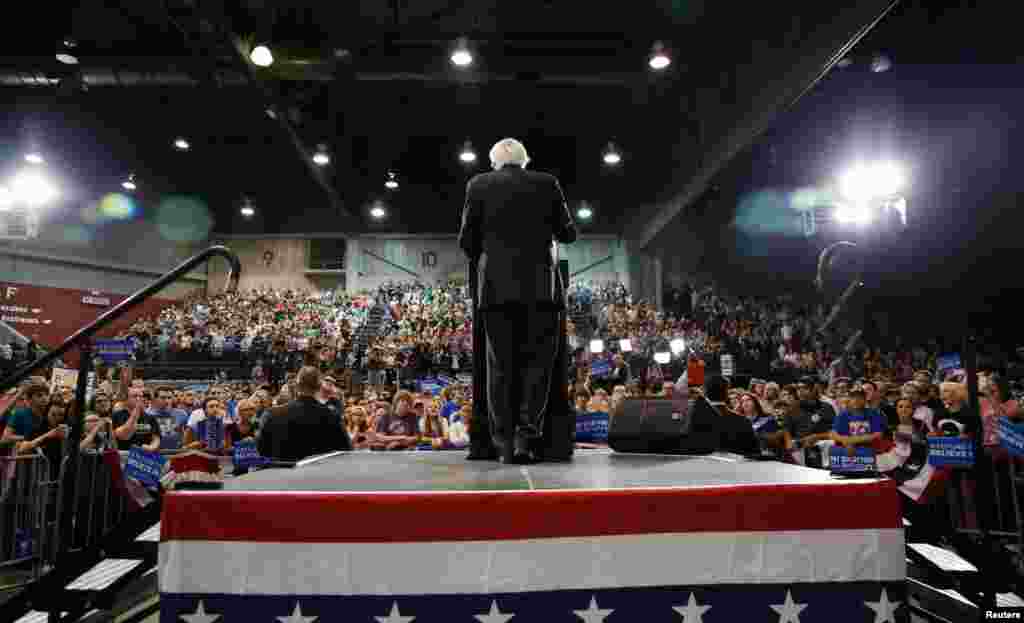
<point x="340" y="517"/>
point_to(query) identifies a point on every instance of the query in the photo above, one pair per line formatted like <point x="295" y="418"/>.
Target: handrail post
<point x="71" y="445"/>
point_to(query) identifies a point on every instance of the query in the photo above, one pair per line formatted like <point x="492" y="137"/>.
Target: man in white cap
<point x="510" y="218"/>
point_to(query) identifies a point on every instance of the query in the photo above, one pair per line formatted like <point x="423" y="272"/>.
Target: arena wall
<point x="275" y="262"/>
<point x="376" y="259"/>
<point x="118" y="258"/>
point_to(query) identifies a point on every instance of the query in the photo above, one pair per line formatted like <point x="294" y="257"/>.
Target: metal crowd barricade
<point x="28" y="494"/>
<point x="97" y="506"/>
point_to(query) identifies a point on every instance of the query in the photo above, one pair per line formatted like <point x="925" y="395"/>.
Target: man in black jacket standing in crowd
<point x="509" y="220"/>
<point x="306" y="427"/>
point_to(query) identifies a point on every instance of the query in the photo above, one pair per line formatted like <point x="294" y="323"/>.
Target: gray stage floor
<point x="450" y="471"/>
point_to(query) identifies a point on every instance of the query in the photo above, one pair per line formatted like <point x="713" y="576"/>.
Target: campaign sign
<point x="862" y="461"/>
<point x="950" y="451"/>
<point x="592" y="427"/>
<point x="113" y="351"/>
<point x="600" y="368"/>
<point x="1011" y="436"/>
<point x="245" y="455"/>
<point x="146" y="467"/>
<point x="211" y="432"/>
<point x="948" y="362"/>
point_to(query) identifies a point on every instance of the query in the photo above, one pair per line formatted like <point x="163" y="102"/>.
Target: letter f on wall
<point x="10" y="292"/>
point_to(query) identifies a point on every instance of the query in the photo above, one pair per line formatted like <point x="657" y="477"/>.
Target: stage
<point x="429" y="536"/>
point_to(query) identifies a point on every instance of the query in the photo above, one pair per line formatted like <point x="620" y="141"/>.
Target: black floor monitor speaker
<point x="661" y="426"/>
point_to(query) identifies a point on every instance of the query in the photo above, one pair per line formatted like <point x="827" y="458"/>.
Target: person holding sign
<point x="857" y="426"/>
<point x="205" y="429"/>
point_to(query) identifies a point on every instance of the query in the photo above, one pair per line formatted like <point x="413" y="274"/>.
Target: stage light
<point x="247" y="211"/>
<point x="377" y="212"/>
<point x="467" y="155"/>
<point x="462" y="58"/>
<point x="611" y="155"/>
<point x="663" y="357"/>
<point x="391" y="183"/>
<point x="659" y="57"/>
<point x="34" y="158"/>
<point x="67" y="59"/>
<point x="584" y="213"/>
<point x="261" y="56"/>
<point x="321" y="157"/>
<point x="129" y="184"/>
<point x="858" y="213"/>
<point x="32" y="188"/>
<point x="596" y="346"/>
<point x="625" y="346"/>
<point x="677" y="345"/>
<point x="865" y="182"/>
<point x="181" y="144"/>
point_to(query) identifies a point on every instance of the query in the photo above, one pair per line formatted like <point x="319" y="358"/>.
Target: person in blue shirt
<point x="172" y="421"/>
<point x="858" y="426"/>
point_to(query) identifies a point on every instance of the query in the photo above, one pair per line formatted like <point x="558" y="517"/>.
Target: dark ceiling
<point x="372" y="81"/>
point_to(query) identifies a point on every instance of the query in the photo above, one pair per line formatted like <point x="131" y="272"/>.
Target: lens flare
<point x="183" y="219"/>
<point x="116" y="207"/>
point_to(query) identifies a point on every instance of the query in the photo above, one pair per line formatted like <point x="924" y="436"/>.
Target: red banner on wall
<point x="50" y="315"/>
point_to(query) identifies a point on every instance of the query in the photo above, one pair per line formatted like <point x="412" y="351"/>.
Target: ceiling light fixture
<point x="67" y="59"/>
<point x="584" y="213"/>
<point x="261" y="56"/>
<point x="129" y="184"/>
<point x="611" y="155"/>
<point x="467" y="155"/>
<point x="321" y="157"/>
<point x="247" y="208"/>
<point x="659" y="58"/>
<point x="33" y="189"/>
<point x="378" y="212"/>
<point x="34" y="158"/>
<point x="462" y="57"/>
<point x="181" y="144"/>
<point x="392" y="183"/>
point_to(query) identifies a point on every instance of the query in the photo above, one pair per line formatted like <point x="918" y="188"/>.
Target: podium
<point x="556" y="442"/>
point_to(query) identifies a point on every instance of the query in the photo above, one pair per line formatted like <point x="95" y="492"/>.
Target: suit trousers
<point x="522" y="346"/>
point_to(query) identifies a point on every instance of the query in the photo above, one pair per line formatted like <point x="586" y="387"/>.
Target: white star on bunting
<point x="592" y="614"/>
<point x="789" y="612"/>
<point x="395" y="616"/>
<point x="494" y="616"/>
<point x="296" y="616"/>
<point x="692" y="612"/>
<point x="885" y="610"/>
<point x="200" y="616"/>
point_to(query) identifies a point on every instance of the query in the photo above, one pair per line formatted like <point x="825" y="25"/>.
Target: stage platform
<point x="429" y="536"/>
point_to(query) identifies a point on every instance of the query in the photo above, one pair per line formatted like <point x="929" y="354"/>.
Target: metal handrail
<point x="117" y="311"/>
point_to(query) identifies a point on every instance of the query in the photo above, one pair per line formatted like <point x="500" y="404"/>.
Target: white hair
<point x="508" y="151"/>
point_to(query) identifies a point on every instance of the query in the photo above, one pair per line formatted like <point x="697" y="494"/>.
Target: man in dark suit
<point x="510" y="217"/>
<point x="305" y="427"/>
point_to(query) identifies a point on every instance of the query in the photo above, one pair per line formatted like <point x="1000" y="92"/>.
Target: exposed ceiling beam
<point x="815" y="60"/>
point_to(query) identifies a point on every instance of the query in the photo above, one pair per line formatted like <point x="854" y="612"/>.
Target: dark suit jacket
<point x="302" y="428"/>
<point x="509" y="220"/>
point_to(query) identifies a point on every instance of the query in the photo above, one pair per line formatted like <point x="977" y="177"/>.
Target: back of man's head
<point x="716" y="388"/>
<point x="508" y="151"/>
<point x="308" y="381"/>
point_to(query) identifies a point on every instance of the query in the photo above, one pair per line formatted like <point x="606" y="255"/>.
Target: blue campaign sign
<point x="592" y="427"/>
<point x="211" y="432"/>
<point x="600" y="368"/>
<point x="146" y="467"/>
<point x="244" y="454"/>
<point x="950" y="451"/>
<point x="1011" y="436"/>
<point x="948" y="362"/>
<point x="113" y="351"/>
<point x="862" y="461"/>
